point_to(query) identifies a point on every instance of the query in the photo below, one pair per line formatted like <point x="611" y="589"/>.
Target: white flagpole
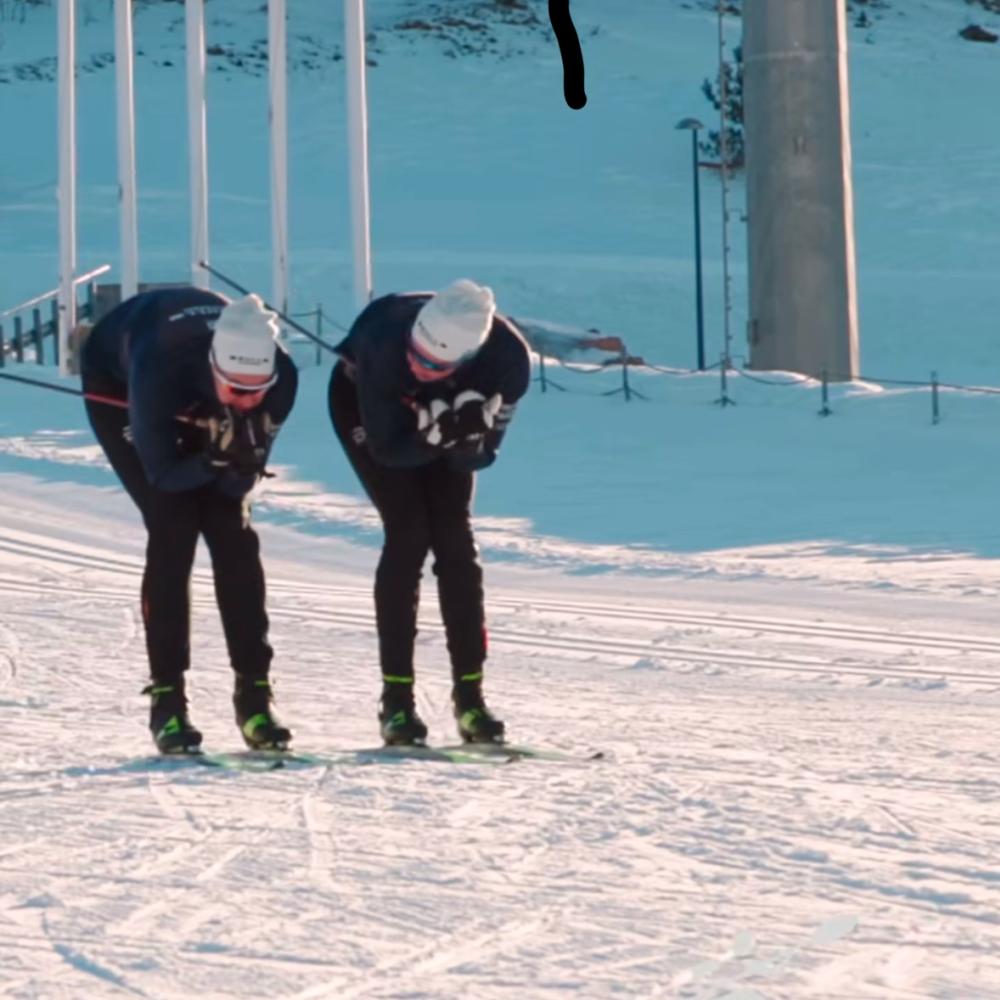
<point x="278" y="87"/>
<point x="357" y="141"/>
<point x="128" y="219"/>
<point x="194" y="14"/>
<point x="67" y="177"/>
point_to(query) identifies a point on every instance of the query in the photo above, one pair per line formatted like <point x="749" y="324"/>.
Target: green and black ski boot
<point x="476" y="723"/>
<point x="168" y="719"/>
<point x="259" y="726"/>
<point x="398" y="720"/>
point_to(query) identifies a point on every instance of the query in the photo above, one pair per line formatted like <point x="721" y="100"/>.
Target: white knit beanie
<point x="455" y="322"/>
<point x="244" y="338"/>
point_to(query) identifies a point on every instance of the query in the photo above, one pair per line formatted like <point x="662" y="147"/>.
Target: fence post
<point x="626" y="390"/>
<point x="36" y="333"/>
<point x="825" y="410"/>
<point x="3" y="348"/>
<point x="18" y="340"/>
<point x="55" y="330"/>
<point x="724" y="399"/>
<point x="91" y="300"/>
<point x="541" y="371"/>
<point x="319" y="331"/>
<point x="935" y="405"/>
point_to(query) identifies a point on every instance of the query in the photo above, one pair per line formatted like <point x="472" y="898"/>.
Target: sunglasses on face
<point x="245" y="391"/>
<point x="241" y="388"/>
<point x="428" y="364"/>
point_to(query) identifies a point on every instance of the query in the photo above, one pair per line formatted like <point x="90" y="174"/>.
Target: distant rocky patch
<point x="976" y="33"/>
<point x="468" y="27"/>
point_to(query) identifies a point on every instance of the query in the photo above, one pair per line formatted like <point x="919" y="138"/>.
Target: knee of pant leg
<point x="171" y="545"/>
<point x="225" y="524"/>
<point x="405" y="547"/>
<point x="455" y="549"/>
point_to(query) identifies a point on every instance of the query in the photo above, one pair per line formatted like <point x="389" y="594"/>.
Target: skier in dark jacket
<point x="202" y="388"/>
<point x="425" y="388"/>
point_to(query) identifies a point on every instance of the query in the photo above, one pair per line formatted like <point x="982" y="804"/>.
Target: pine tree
<point x="732" y="73"/>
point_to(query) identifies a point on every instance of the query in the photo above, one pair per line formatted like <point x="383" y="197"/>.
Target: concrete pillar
<point x="800" y="210"/>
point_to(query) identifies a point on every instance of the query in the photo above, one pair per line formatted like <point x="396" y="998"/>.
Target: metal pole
<point x="284" y="317"/>
<point x="128" y="220"/>
<point x="319" y="331"/>
<point x="194" y="16"/>
<point x="278" y="86"/>
<point x="357" y="141"/>
<point x="67" y="175"/>
<point x="59" y="352"/>
<point x="36" y="335"/>
<point x="697" y="253"/>
<point x="824" y="410"/>
<point x="724" y="152"/>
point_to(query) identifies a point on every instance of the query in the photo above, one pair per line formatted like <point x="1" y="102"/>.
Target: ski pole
<point x="93" y="396"/>
<point x="291" y="322"/>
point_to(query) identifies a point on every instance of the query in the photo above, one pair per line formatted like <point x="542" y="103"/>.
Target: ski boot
<point x="168" y="719"/>
<point x="398" y="720"/>
<point x="476" y="723"/>
<point x="259" y="726"/>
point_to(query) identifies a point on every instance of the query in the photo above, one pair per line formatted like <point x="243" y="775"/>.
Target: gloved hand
<point x="470" y="416"/>
<point x="428" y="420"/>
<point x="240" y="441"/>
<point x="219" y="437"/>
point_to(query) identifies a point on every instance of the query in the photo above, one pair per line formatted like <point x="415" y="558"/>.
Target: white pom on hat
<point x="455" y="322"/>
<point x="244" y="342"/>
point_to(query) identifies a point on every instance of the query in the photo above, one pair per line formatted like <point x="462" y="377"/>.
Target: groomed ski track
<point x="800" y="796"/>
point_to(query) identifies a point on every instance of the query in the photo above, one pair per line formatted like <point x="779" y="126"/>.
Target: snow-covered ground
<point x="799" y="797"/>
<point x="779" y="628"/>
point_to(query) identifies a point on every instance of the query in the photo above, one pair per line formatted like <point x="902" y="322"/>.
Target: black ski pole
<point x="93" y="396"/>
<point x="286" y="319"/>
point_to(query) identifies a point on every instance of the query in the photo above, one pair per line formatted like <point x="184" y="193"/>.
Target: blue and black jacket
<point x="388" y="393"/>
<point x="155" y="348"/>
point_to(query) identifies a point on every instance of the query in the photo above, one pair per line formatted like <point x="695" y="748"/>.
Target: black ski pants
<point x="173" y="523"/>
<point x="423" y="509"/>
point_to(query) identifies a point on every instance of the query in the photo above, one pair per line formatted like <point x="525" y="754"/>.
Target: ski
<point x="237" y="761"/>
<point x="390" y="755"/>
<point x="258" y="761"/>
<point x="514" y="751"/>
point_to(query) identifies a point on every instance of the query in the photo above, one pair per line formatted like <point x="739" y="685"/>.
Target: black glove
<point x="240" y="441"/>
<point x="428" y="421"/>
<point x="468" y="419"/>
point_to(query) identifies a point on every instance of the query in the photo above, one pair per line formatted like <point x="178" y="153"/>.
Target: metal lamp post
<point x="693" y="126"/>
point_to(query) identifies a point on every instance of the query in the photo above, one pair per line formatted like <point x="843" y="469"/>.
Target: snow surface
<point x="779" y="628"/>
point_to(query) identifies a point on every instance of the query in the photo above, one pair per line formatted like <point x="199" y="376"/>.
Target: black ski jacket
<point x="388" y="393"/>
<point x="156" y="345"/>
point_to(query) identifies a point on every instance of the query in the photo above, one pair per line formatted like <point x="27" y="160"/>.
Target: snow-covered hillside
<point x="779" y="628"/>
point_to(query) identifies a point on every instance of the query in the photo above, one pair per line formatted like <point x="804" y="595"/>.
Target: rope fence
<point x="628" y="391"/>
<point x="21" y="342"/>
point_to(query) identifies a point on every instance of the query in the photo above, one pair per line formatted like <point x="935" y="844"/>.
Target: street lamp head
<point x="691" y="124"/>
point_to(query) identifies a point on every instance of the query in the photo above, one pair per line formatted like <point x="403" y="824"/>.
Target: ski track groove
<point x="721" y="621"/>
<point x="618" y="648"/>
<point x="597" y="875"/>
<point x="322" y="853"/>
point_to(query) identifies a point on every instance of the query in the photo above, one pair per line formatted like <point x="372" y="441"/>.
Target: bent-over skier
<point x="420" y="400"/>
<point x="205" y="386"/>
